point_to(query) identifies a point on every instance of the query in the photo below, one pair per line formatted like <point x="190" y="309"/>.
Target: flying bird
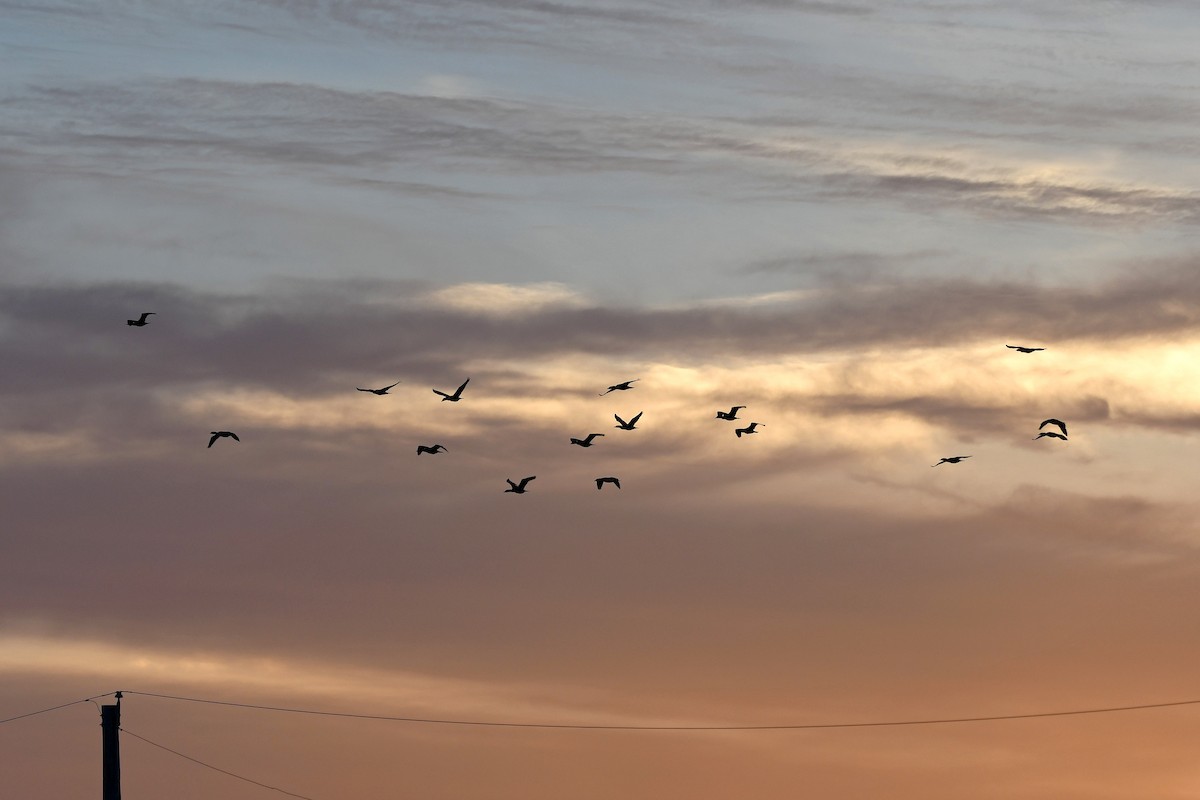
<point x="748" y="429"/>
<point x="1057" y="422"/>
<point x="453" y="398"/>
<point x="140" y="321"/>
<point x="1050" y="433"/>
<point x="1021" y="349"/>
<point x="219" y="434"/>
<point x="431" y="449"/>
<point x="951" y="460"/>
<point x="518" y="488"/>
<point x="382" y="391"/>
<point x="731" y="414"/>
<point x="585" y="441"/>
<point x="620" y="387"/>
<point x="601" y="481"/>
<point x="627" y="426"/>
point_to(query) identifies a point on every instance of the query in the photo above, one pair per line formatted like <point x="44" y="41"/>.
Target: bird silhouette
<point x="433" y="449"/>
<point x="382" y="391"/>
<point x="950" y="460"/>
<point x="219" y="434"/>
<point x="1057" y="422"/>
<point x="518" y="488"/>
<point x="620" y="387"/>
<point x="1051" y="434"/>
<point x="140" y="321"/>
<point x="1021" y="349"/>
<point x="731" y="414"/>
<point x="585" y="441"/>
<point x="453" y="398"/>
<point x="601" y="481"/>
<point x="748" y="429"/>
<point x="627" y="426"/>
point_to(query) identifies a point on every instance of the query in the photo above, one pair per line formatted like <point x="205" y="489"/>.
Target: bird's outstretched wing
<point x="145" y="314"/>
<point x="636" y="417"/>
<point x="459" y="390"/>
<point x="214" y="437"/>
<point x="439" y="391"/>
<point x="1053" y="421"/>
<point x="624" y="424"/>
<point x="525" y="481"/>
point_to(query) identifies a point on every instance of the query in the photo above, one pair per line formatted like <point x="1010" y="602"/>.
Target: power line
<point x="797" y="727"/>
<point x="55" y="708"/>
<point x="218" y="769"/>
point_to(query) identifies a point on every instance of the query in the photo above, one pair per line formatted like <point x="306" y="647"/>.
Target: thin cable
<point x="813" y="726"/>
<point x="218" y="769"/>
<point x="54" y="708"/>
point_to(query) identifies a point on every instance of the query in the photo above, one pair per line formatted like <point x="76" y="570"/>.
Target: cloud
<point x="379" y="138"/>
<point x="498" y="299"/>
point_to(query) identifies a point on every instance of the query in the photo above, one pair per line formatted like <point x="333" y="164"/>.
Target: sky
<point x="836" y="214"/>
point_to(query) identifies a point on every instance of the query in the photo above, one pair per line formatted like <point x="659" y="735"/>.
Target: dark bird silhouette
<point x="731" y="414"/>
<point x="748" y="429"/>
<point x="951" y="460"/>
<point x="1057" y="422"/>
<point x="431" y="449"/>
<point x="453" y="398"/>
<point x="219" y="434"/>
<point x="1021" y="349"/>
<point x="585" y="441"/>
<point x="620" y="387"/>
<point x="1051" y="434"/>
<point x="627" y="426"/>
<point x="518" y="488"/>
<point x="140" y="321"/>
<point x="601" y="481"/>
<point x="382" y="391"/>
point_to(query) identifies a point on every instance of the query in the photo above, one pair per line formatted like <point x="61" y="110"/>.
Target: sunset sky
<point x="834" y="213"/>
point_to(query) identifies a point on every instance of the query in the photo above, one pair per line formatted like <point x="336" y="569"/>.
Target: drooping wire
<point x="56" y="708"/>
<point x="218" y="769"/>
<point x="795" y="727"/>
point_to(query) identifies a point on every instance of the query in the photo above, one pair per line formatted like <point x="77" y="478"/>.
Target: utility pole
<point x="110" y="731"/>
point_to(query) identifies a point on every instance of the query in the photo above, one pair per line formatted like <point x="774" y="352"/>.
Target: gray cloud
<point x="320" y="332"/>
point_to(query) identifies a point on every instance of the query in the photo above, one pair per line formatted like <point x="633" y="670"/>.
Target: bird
<point x="1021" y="349"/>
<point x="748" y="429"/>
<point x="620" y="387"/>
<point x="433" y="449"/>
<point x="950" y="460"/>
<point x="601" y="481"/>
<point x="219" y="434"/>
<point x="453" y="398"/>
<point x="140" y="321"/>
<point x="731" y="414"/>
<point x="518" y="488"/>
<point x="1052" y="434"/>
<point x="382" y="391"/>
<point x="1057" y="422"/>
<point x="585" y="441"/>
<point x="627" y="426"/>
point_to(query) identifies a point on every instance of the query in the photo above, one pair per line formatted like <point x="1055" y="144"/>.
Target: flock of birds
<point x="521" y="487"/>
<point x="514" y="487"/>
<point x="1062" y="426"/>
